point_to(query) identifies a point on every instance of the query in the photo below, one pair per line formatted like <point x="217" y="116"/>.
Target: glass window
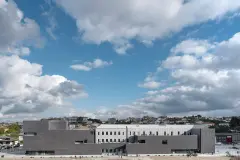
<point x="164" y="133"/>
<point x="185" y="133"/>
<point x="143" y="132"/>
<point x="110" y="151"/>
<point x="110" y="140"/>
<point x="98" y="133"/>
<point x="118" y="133"/>
<point x="171" y="133"/>
<point x="102" y="140"/>
<point x="164" y="142"/>
<point x="134" y="133"/>
<point x="157" y="133"/>
<point x="114" y="140"/>
<point x="118" y="140"/>
<point x="150" y="133"/>
<point x="178" y="133"/>
<point x="130" y="133"/>
<point x="123" y="133"/>
<point x="106" y="140"/>
<point x="98" y="140"/>
<point x="102" y="133"/>
<point x="107" y="150"/>
<point x="115" y="133"/>
<point x="110" y="133"/>
<point x="123" y="140"/>
<point x="106" y="133"/>
<point x="102" y="150"/>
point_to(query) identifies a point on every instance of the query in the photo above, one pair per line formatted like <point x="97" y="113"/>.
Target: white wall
<point x="139" y="130"/>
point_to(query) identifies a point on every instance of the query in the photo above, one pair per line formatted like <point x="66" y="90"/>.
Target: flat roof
<point x="122" y="126"/>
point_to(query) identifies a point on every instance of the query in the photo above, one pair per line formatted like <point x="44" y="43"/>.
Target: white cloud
<point x="88" y="66"/>
<point x="191" y="46"/>
<point x="209" y="86"/>
<point x="16" y="31"/>
<point x="150" y="83"/>
<point x="23" y="88"/>
<point x="119" y="22"/>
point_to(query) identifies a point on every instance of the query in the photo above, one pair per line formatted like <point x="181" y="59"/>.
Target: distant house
<point x="224" y="124"/>
<point x="4" y="140"/>
<point x="112" y="120"/>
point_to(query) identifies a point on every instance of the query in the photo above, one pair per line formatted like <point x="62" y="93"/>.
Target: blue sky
<point x="81" y="34"/>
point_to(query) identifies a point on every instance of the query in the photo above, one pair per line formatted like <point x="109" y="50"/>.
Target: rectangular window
<point x="141" y="141"/>
<point x="164" y="133"/>
<point x="110" y="133"/>
<point x="114" y="140"/>
<point x="127" y="140"/>
<point x="157" y="133"/>
<point x="106" y="150"/>
<point x="98" y="133"/>
<point x="115" y="133"/>
<point x="123" y="133"/>
<point x="118" y="133"/>
<point x="98" y="140"/>
<point x="143" y="132"/>
<point x="78" y="142"/>
<point x="110" y="140"/>
<point x="106" y="140"/>
<point x="164" y="142"/>
<point x="178" y="133"/>
<point x="102" y="133"/>
<point x="30" y="133"/>
<point x="185" y="133"/>
<point x="85" y="141"/>
<point x="134" y="133"/>
<point x="110" y="151"/>
<point x="130" y="133"/>
<point x="118" y="140"/>
<point x="106" y="133"/>
<point x="171" y="133"/>
<point x="123" y="140"/>
<point x="102" y="150"/>
<point x="150" y="133"/>
<point x="102" y="140"/>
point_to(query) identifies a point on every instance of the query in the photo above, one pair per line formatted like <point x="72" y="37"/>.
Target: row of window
<point x="143" y="133"/>
<point x="111" y="150"/>
<point x="110" y="140"/>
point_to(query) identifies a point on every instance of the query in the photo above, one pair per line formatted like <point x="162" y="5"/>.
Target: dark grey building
<point x="54" y="137"/>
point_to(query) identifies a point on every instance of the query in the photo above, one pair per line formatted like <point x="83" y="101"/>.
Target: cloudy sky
<point x="119" y="58"/>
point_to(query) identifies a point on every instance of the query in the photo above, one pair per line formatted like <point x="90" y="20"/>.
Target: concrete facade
<point x="55" y="137"/>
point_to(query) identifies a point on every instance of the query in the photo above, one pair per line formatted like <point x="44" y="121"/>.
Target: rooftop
<point x="122" y="126"/>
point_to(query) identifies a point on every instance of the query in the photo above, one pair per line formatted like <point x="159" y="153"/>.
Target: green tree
<point x="235" y="122"/>
<point x="1" y="131"/>
<point x="14" y="128"/>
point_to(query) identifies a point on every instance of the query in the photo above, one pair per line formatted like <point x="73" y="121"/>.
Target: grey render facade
<point x="54" y="137"/>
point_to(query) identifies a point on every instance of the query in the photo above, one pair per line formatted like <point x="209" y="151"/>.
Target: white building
<point x="115" y="133"/>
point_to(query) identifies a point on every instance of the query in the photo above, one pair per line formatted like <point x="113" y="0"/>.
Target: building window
<point x="102" y="140"/>
<point x="78" y="142"/>
<point x="141" y="141"/>
<point x="127" y="140"/>
<point x="118" y="140"/>
<point x="110" y="151"/>
<point x="118" y="133"/>
<point x="150" y="133"/>
<point x="110" y="140"/>
<point x="115" y="133"/>
<point x="98" y="140"/>
<point x="157" y="133"/>
<point x="143" y="132"/>
<point x="130" y="133"/>
<point x="178" y="133"/>
<point x="106" y="133"/>
<point x="171" y="133"/>
<point x="134" y="133"/>
<point x="102" y="150"/>
<point x="164" y="133"/>
<point x="85" y="141"/>
<point x="123" y="133"/>
<point x="114" y="140"/>
<point x="123" y="140"/>
<point x="102" y="133"/>
<point x="185" y="133"/>
<point x="164" y="142"/>
<point x="110" y="133"/>
<point x="106" y="140"/>
<point x="98" y="133"/>
<point x="106" y="150"/>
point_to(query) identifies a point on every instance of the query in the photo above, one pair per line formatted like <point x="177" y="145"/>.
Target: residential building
<point x="54" y="137"/>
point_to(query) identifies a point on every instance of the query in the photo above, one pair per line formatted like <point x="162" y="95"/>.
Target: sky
<point x="123" y="58"/>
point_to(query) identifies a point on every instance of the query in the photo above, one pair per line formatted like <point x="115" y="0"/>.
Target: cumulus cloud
<point x="16" y="31"/>
<point x="23" y="88"/>
<point x="119" y="22"/>
<point x="208" y="85"/>
<point x="88" y="66"/>
<point x="150" y="83"/>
